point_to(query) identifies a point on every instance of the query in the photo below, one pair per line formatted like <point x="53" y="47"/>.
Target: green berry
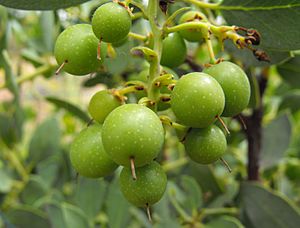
<point x="193" y="35"/>
<point x="88" y="156"/>
<point x="120" y="42"/>
<point x="173" y="51"/>
<point x="149" y="186"/>
<point x="77" y="48"/>
<point x="101" y="104"/>
<point x="205" y="145"/>
<point x="197" y="99"/>
<point x="235" y="85"/>
<point x="111" y="22"/>
<point x="132" y="131"/>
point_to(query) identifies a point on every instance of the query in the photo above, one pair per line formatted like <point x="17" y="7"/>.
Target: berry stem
<point x="203" y="4"/>
<point x="167" y="121"/>
<point x="132" y="166"/>
<point x="154" y="70"/>
<point x="169" y="166"/>
<point x="226" y="164"/>
<point x="130" y="89"/>
<point x="149" y="212"/>
<point x="137" y="36"/>
<point x="210" y="50"/>
<point x="187" y="218"/>
<point x="61" y="67"/>
<point x="27" y="77"/>
<point x="242" y="121"/>
<point x="217" y="211"/>
<point x="90" y="122"/>
<point x="99" y="50"/>
<point x="223" y="124"/>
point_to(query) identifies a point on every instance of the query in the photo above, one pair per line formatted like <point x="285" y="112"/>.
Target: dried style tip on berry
<point x="261" y="55"/>
<point x="61" y="67"/>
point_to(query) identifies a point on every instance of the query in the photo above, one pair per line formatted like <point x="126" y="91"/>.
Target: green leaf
<point x="40" y="4"/>
<point x="66" y="215"/>
<point x="224" y="221"/>
<point x="249" y="60"/>
<point x="255" y="93"/>
<point x="204" y="175"/>
<point x="161" y="209"/>
<point x="275" y="141"/>
<point x="27" y="216"/>
<point x="227" y="198"/>
<point x="118" y="64"/>
<point x="266" y="209"/>
<point x="6" y="181"/>
<point x="47" y="24"/>
<point x="74" y="216"/>
<point x="89" y="195"/>
<point x="10" y="78"/>
<point x="140" y="216"/>
<point x="34" y="190"/>
<point x="8" y="132"/>
<point x="290" y="71"/>
<point x="59" y="103"/>
<point x="117" y="206"/>
<point x="291" y="101"/>
<point x="276" y="21"/>
<point x="48" y="170"/>
<point x="45" y="141"/>
<point x="193" y="193"/>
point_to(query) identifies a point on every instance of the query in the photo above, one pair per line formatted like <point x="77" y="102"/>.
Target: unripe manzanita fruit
<point x="149" y="186"/>
<point x="132" y="131"/>
<point x="111" y="22"/>
<point x="173" y="50"/>
<point x="235" y="85"/>
<point x="197" y="99"/>
<point x="197" y="34"/>
<point x="205" y="145"/>
<point x="88" y="156"/>
<point x="77" y="48"/>
<point x="101" y="104"/>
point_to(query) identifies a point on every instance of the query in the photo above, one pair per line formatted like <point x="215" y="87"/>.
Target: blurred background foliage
<point x="40" y="114"/>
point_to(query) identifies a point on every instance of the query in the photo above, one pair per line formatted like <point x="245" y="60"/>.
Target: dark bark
<point x="254" y="132"/>
<point x="254" y="136"/>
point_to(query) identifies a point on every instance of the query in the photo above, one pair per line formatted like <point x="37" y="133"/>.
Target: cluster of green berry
<point x="79" y="49"/>
<point x="132" y="135"/>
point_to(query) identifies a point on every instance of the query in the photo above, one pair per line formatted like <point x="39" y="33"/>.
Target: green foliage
<point x="76" y="111"/>
<point x="40" y="114"/>
<point x="289" y="71"/>
<point x="277" y="35"/>
<point x="266" y="209"/>
<point x="276" y="139"/>
<point x="45" y="141"/>
<point x="41" y="4"/>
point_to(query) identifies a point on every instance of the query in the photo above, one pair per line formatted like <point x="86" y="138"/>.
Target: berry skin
<point x="193" y="35"/>
<point x="111" y="22"/>
<point x="88" y="156"/>
<point x="132" y="131"/>
<point x="235" y="85"/>
<point x="148" y="188"/>
<point x="197" y="99"/>
<point x="173" y="51"/>
<point x="77" y="46"/>
<point x="101" y="104"/>
<point x="205" y="145"/>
